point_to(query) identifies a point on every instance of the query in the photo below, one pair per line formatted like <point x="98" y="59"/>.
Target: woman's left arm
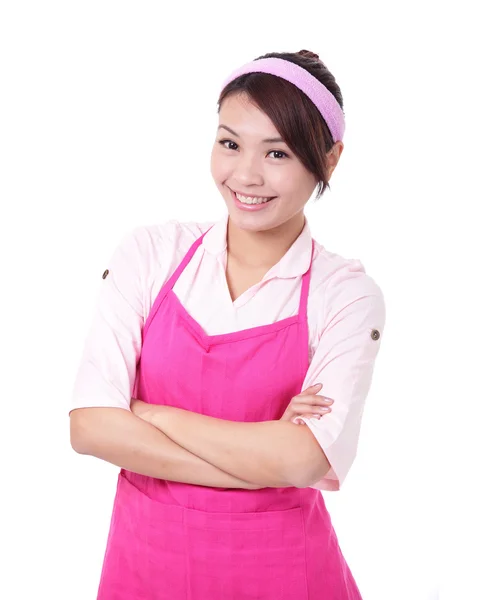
<point x="260" y="452"/>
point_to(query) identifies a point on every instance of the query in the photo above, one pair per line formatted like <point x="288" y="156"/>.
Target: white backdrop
<point x="107" y="120"/>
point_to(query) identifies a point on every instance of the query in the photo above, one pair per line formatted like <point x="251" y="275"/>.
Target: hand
<point x="307" y="404"/>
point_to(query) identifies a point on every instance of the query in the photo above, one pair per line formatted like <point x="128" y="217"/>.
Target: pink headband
<point x="319" y="94"/>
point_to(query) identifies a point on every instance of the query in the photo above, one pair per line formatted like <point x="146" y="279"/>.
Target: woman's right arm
<point x="118" y="436"/>
<point x="101" y="422"/>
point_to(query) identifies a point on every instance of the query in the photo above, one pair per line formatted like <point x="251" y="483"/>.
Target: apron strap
<point x="303" y="303"/>
<point x="171" y="282"/>
<point x="186" y="259"/>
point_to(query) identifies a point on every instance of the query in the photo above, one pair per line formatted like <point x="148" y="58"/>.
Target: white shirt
<point x="346" y="319"/>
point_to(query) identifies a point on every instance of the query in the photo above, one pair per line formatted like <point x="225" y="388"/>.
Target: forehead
<point x="243" y="116"/>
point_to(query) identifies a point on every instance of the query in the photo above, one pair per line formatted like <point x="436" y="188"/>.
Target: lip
<point x="251" y="207"/>
<point x="249" y="195"/>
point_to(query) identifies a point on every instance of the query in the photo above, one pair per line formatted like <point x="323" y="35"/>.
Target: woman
<point x="220" y="332"/>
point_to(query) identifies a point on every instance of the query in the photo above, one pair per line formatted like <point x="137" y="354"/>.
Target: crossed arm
<point x="179" y="445"/>
<point x="266" y="453"/>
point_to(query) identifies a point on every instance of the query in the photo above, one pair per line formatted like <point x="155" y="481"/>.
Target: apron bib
<point x="176" y="541"/>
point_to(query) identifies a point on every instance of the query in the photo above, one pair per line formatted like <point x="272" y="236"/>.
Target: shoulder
<point x="148" y="253"/>
<point x="172" y="236"/>
<point x="343" y="280"/>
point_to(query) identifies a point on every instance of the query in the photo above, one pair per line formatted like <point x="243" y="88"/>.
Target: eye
<point x="279" y="152"/>
<point x="223" y="142"/>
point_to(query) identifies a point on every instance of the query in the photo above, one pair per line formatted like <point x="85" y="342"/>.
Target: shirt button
<point x="375" y="334"/>
<point x="105" y="273"/>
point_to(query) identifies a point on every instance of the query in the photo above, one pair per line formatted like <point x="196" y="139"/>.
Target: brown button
<point x="105" y="273"/>
<point x="375" y="334"/>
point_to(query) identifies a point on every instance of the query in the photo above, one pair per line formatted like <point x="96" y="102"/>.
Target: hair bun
<point x="308" y="54"/>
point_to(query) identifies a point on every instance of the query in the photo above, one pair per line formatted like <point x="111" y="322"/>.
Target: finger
<point x="314" y="389"/>
<point x="301" y="408"/>
<point x="311" y="394"/>
<point x="311" y="399"/>
<point x="311" y="388"/>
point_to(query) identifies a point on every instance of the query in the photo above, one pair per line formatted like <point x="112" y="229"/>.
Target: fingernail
<point x="317" y="384"/>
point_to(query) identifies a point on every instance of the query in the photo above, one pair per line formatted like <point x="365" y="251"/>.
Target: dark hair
<point x="298" y="121"/>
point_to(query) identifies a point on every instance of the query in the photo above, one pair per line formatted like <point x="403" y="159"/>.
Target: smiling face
<point x="242" y="161"/>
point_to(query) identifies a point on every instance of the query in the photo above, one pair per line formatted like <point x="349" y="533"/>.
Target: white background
<point x="107" y="120"/>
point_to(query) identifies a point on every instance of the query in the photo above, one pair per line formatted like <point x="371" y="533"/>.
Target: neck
<point x="262" y="249"/>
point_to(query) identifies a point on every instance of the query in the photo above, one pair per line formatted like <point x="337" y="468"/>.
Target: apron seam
<point x="247" y="337"/>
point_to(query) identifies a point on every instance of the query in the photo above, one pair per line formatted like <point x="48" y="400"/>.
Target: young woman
<point x="203" y="358"/>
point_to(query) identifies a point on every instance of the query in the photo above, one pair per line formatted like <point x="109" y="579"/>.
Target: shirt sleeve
<point x="343" y="362"/>
<point x="107" y="370"/>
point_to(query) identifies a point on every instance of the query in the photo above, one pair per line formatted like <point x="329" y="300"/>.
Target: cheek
<point x="282" y="182"/>
<point x="218" y="167"/>
<point x="293" y="183"/>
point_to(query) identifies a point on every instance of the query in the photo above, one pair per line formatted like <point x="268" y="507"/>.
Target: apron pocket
<point x="242" y="556"/>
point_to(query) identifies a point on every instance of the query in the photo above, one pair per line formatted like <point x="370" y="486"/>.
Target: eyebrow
<point x="265" y="141"/>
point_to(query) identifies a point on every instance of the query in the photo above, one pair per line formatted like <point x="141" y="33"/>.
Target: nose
<point x="247" y="171"/>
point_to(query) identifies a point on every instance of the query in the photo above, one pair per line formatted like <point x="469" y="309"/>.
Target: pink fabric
<point x="317" y="92"/>
<point x="176" y="541"/>
<point x="345" y="308"/>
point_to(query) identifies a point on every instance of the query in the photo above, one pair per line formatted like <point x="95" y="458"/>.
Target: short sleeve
<point x="107" y="370"/>
<point x="343" y="362"/>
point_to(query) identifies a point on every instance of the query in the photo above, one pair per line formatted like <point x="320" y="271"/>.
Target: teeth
<point x="251" y="200"/>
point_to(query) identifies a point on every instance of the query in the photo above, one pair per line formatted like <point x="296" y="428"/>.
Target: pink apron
<point x="177" y="541"/>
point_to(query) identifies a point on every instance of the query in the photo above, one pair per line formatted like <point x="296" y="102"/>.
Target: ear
<point x="333" y="157"/>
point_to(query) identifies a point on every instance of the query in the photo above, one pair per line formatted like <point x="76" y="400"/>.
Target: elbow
<point x="79" y="431"/>
<point x="78" y="447"/>
<point x="302" y="478"/>
<point x="321" y="468"/>
<point x="308" y="476"/>
<point x="313" y="465"/>
<point x="94" y="429"/>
